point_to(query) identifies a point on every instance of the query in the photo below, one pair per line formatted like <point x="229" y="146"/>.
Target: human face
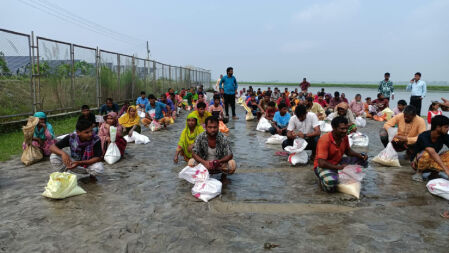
<point x="109" y="120"/>
<point x="85" y="135"/>
<point x="109" y="103"/>
<point x="216" y="102"/>
<point x="164" y="100"/>
<point x="320" y="98"/>
<point x="341" y="130"/>
<point x="142" y="96"/>
<point x="417" y="77"/>
<point x="191" y="122"/>
<point x="212" y="129"/>
<point x="283" y="111"/>
<point x="132" y="112"/>
<point x="152" y="101"/>
<point x="341" y="112"/>
<point x="444" y="130"/>
<point x="436" y="107"/>
<point x="358" y="98"/>
<point x="387" y="77"/>
<point x="408" y="118"/>
<point x="266" y="98"/>
<point x="200" y="97"/>
<point x="85" y="112"/>
<point x="343" y="95"/>
<point x="368" y="101"/>
<point x="401" y="107"/>
<point x="230" y="72"/>
<point x="201" y="111"/>
<point x="309" y="103"/>
<point x="41" y="121"/>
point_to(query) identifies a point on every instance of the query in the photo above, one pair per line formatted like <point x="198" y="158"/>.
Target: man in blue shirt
<point x="168" y="102"/>
<point x="158" y="107"/>
<point x="418" y="89"/>
<point x="280" y="120"/>
<point x="110" y="106"/>
<point x="228" y="86"/>
<point x="142" y="101"/>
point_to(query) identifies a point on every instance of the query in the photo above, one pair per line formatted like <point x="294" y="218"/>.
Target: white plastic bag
<point x="299" y="145"/>
<point x="392" y="131"/>
<point x="298" y="158"/>
<point x="263" y="125"/>
<point x="112" y="154"/>
<point x="62" y="185"/>
<point x="360" y="122"/>
<point x="140" y="138"/>
<point x="349" y="180"/>
<point x="99" y="119"/>
<point x="325" y="127"/>
<point x="276" y="139"/>
<point x="207" y="190"/>
<point x="249" y="116"/>
<point x="141" y="114"/>
<point x="358" y="139"/>
<point x="194" y="174"/>
<point x="439" y="187"/>
<point x="155" y="126"/>
<point x="388" y="157"/>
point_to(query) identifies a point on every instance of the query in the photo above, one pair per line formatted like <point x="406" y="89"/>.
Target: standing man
<point x="419" y="89"/>
<point x="304" y="85"/>
<point x="228" y="87"/>
<point x="386" y="87"/>
<point x="217" y="85"/>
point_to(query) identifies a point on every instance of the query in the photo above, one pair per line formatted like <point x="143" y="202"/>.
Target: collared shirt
<point x="386" y="88"/>
<point x="316" y="108"/>
<point x="356" y="107"/>
<point x="158" y="107"/>
<point x="222" y="147"/>
<point x="142" y="101"/>
<point x="104" y="109"/>
<point x="229" y="84"/>
<point x="418" y="88"/>
<point x="306" y="127"/>
<point x="328" y="150"/>
<point x="411" y="130"/>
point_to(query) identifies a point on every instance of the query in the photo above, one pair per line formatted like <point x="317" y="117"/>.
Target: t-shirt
<point x="104" y="109"/>
<point x="202" y="120"/>
<point x="158" y="107"/>
<point x="142" y="101"/>
<point x="328" y="150"/>
<point x="90" y="118"/>
<point x="281" y="121"/>
<point x="425" y="141"/>
<point x="65" y="143"/>
<point x="306" y="126"/>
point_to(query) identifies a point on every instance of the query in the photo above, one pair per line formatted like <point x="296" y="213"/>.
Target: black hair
<point x="151" y="96"/>
<point x="402" y="102"/>
<point x="216" y="96"/>
<point x="83" y="124"/>
<point x="358" y="95"/>
<point x="84" y="107"/>
<point x="432" y="104"/>
<point x="211" y="119"/>
<point x="109" y="99"/>
<point x="379" y="94"/>
<point x="439" y="120"/>
<point x="142" y="93"/>
<point x="417" y="73"/>
<point x="163" y="95"/>
<point x="387" y="74"/>
<point x="368" y="98"/>
<point x="338" y="120"/>
<point x="336" y="94"/>
<point x="309" y="99"/>
<point x="273" y="104"/>
<point x="280" y="106"/>
<point x="300" y="110"/>
<point x="321" y="94"/>
<point x="410" y="110"/>
<point x="267" y="94"/>
<point x="201" y="105"/>
<point x="228" y="69"/>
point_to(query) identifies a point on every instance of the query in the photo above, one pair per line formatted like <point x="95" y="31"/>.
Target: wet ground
<point x="140" y="205"/>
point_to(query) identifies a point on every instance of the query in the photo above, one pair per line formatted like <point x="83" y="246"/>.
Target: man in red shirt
<point x="329" y="153"/>
<point x="304" y="85"/>
<point x="380" y="103"/>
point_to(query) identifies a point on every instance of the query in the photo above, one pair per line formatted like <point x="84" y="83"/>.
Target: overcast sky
<point x="329" y="40"/>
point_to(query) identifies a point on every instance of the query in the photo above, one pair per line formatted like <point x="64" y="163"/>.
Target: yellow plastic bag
<point x="62" y="185"/>
<point x="31" y="154"/>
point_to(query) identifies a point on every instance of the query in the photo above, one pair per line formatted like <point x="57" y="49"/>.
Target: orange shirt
<point x="328" y="150"/>
<point x="411" y="130"/>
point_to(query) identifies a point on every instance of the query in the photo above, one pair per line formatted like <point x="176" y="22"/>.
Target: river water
<point x="140" y="205"/>
<point x="367" y="92"/>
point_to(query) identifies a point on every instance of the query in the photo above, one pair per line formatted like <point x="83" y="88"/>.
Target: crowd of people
<point x="294" y="113"/>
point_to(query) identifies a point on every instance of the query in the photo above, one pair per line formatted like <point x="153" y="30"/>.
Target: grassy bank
<point x="11" y="142"/>
<point x="323" y="85"/>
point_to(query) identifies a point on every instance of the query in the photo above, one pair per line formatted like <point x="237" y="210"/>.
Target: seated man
<point x="270" y="110"/>
<point x="356" y="106"/>
<point x="379" y="104"/>
<point x="303" y="125"/>
<point x="201" y="113"/>
<point x="252" y="104"/>
<point x="400" y="108"/>
<point x="409" y="127"/>
<point x="315" y="108"/>
<point x="212" y="149"/>
<point x="202" y="99"/>
<point x="88" y="115"/>
<point x="263" y="104"/>
<point x="142" y="101"/>
<point x="329" y="153"/>
<point x="110" y="106"/>
<point x="280" y="120"/>
<point x="170" y="103"/>
<point x="335" y="100"/>
<point x="284" y="99"/>
<point x="154" y="111"/>
<point x="342" y="110"/>
<point x="85" y="151"/>
<point x="425" y="156"/>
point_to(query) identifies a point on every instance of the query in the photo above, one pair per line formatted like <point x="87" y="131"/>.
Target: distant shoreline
<point x="367" y="86"/>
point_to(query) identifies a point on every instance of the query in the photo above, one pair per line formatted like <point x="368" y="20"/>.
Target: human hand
<point x="66" y="160"/>
<point x="74" y="165"/>
<point x="130" y="133"/>
<point x="279" y="131"/>
<point x="175" y="160"/>
<point x="341" y="166"/>
<point x="364" y="157"/>
<point x="300" y="135"/>
<point x="401" y="137"/>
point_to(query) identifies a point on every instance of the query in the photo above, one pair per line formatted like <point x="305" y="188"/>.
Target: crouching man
<point x="85" y="151"/>
<point x="212" y="149"/>
<point x="329" y="153"/>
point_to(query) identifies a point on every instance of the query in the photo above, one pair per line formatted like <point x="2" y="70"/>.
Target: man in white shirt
<point x="217" y="85"/>
<point x="418" y="89"/>
<point x="303" y="125"/>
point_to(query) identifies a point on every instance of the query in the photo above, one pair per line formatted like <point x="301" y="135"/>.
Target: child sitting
<point x="434" y="110"/>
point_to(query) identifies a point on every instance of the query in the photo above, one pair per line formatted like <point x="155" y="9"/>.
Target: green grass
<point x="322" y="85"/>
<point x="11" y="142"/>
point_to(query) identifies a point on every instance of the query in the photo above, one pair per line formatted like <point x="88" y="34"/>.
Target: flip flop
<point x="445" y="214"/>
<point x="281" y="153"/>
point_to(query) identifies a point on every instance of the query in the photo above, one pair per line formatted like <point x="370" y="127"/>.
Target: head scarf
<point x="342" y="105"/>
<point x="127" y="121"/>
<point x="187" y="138"/>
<point x="39" y="132"/>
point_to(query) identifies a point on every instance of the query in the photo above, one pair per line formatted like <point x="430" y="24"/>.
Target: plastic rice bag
<point x="325" y="127"/>
<point x="439" y="187"/>
<point x="360" y="122"/>
<point x="276" y="139"/>
<point x="155" y="126"/>
<point x="388" y="113"/>
<point x="392" y="131"/>
<point x="137" y="138"/>
<point x="388" y="157"/>
<point x="207" y="190"/>
<point x="299" y="145"/>
<point x="222" y="127"/>
<point x="358" y="139"/>
<point x="249" y="116"/>
<point x="99" y="119"/>
<point x="349" y="180"/>
<point x="194" y="174"/>
<point x="298" y="158"/>
<point x="263" y="125"/>
<point x="62" y="185"/>
<point x="112" y="154"/>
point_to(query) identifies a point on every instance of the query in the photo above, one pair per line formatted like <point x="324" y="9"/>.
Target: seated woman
<point x="187" y="139"/>
<point x="111" y="120"/>
<point x="43" y="134"/>
<point x="130" y="121"/>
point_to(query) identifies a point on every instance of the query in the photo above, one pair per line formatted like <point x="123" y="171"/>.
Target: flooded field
<point x="140" y="205"/>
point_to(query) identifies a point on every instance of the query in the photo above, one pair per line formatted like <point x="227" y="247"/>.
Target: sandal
<point x="445" y="214"/>
<point x="281" y="153"/>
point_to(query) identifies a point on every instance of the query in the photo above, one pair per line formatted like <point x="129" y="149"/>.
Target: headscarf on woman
<point x="40" y="133"/>
<point x="126" y="121"/>
<point x="104" y="133"/>
<point x="187" y="138"/>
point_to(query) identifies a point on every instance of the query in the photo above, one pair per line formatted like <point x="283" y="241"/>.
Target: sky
<point x="283" y="41"/>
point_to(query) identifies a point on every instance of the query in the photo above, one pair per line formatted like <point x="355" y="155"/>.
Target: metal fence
<point x="42" y="74"/>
